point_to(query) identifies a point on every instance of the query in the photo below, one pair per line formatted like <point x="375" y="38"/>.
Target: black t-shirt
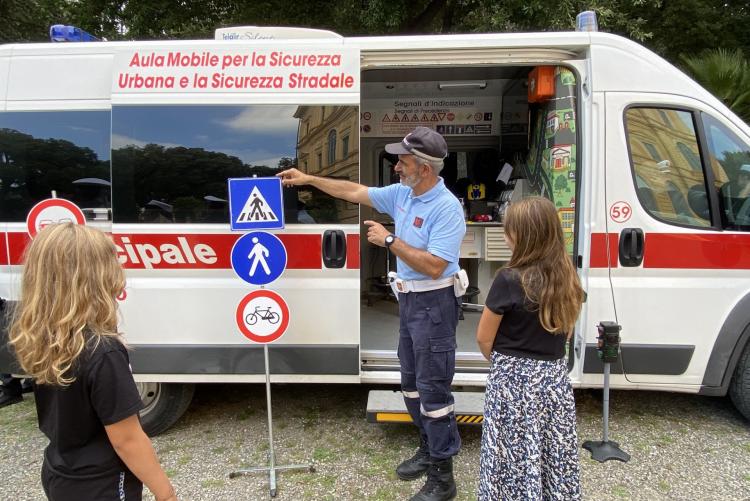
<point x="521" y="333"/>
<point x="73" y="417"/>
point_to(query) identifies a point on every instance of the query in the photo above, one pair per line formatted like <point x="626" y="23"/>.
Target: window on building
<point x="669" y="186"/>
<point x="344" y="146"/>
<point x="665" y="118"/>
<point x="653" y="151"/>
<point x="691" y="156"/>
<point x="332" y="147"/>
<point x="320" y="160"/>
<point x="729" y="157"/>
<point x="65" y="152"/>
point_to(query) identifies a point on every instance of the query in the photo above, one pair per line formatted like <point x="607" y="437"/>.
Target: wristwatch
<point x="389" y="240"/>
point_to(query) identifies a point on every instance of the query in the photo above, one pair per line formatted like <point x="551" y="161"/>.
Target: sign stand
<point x="272" y="468"/>
<point x="608" y="348"/>
<point x="259" y="258"/>
<point x="605" y="450"/>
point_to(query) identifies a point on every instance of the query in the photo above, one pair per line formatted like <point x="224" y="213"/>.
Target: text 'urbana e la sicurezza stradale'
<point x="229" y="71"/>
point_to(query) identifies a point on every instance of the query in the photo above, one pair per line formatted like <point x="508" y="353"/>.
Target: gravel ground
<point x="683" y="447"/>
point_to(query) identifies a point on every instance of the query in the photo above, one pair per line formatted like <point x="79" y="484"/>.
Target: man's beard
<point x="410" y="181"/>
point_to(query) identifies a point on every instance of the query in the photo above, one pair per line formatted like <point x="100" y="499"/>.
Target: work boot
<point x="440" y="485"/>
<point x="417" y="465"/>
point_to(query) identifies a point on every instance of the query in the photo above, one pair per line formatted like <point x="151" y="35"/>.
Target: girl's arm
<point x="135" y="449"/>
<point x="487" y="330"/>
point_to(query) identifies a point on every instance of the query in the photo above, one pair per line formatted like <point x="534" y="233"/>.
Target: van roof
<point x="617" y="64"/>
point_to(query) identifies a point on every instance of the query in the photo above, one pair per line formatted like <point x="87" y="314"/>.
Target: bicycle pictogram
<point x="262" y="314"/>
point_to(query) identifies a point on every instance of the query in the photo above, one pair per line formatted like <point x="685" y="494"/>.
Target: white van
<point x="645" y="167"/>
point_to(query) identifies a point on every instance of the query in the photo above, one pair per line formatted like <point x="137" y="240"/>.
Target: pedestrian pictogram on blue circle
<point x="258" y="258"/>
<point x="256" y="203"/>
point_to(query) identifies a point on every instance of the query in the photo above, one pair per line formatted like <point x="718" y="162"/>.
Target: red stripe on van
<point x="16" y="245"/>
<point x="352" y="251"/>
<point x="201" y="251"/>
<point x="599" y="250"/>
<point x="3" y="249"/>
<point x="697" y="251"/>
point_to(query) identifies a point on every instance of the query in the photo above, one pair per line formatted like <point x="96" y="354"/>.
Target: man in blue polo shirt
<point x="429" y="227"/>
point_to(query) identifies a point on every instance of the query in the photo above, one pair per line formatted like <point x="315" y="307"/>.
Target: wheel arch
<point x="732" y="339"/>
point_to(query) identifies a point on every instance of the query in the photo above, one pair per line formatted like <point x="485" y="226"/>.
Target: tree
<point x="726" y="74"/>
<point x="29" y="21"/>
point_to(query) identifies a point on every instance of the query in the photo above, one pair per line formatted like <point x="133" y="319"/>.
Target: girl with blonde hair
<point x="64" y="334"/>
<point x="529" y="445"/>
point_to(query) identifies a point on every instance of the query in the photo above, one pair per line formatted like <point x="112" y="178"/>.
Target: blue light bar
<point x="586" y="21"/>
<point x="63" y="33"/>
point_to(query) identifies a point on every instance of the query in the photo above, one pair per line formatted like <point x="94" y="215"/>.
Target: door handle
<point x="334" y="249"/>
<point x="632" y="243"/>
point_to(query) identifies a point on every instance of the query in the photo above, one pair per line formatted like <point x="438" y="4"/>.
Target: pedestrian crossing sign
<point x="256" y="203"/>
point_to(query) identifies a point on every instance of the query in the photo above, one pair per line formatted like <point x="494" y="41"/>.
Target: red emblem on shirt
<point x="418" y="222"/>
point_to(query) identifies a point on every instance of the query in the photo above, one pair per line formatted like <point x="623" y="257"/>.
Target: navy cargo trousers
<point x="427" y="353"/>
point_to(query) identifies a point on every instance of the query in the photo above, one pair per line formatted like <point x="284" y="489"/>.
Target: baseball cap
<point x="422" y="142"/>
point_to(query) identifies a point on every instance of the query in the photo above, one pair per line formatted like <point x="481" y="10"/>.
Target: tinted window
<point x="65" y="152"/>
<point x="171" y="163"/>
<point x="665" y="158"/>
<point x="730" y="161"/>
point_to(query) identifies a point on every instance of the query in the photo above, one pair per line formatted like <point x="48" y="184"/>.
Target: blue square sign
<point x="256" y="203"/>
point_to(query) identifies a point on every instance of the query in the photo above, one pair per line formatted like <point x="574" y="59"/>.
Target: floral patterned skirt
<point x="529" y="443"/>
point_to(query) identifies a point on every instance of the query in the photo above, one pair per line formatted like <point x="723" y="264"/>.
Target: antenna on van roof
<point x="271" y="33"/>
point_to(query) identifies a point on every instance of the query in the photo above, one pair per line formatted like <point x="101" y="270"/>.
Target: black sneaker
<point x="27" y="386"/>
<point x="6" y="400"/>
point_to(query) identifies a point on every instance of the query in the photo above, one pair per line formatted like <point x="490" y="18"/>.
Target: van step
<point x="386" y="406"/>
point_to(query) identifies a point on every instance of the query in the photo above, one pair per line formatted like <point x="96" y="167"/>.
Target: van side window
<point x="170" y="164"/>
<point x="729" y="157"/>
<point x="62" y="151"/>
<point x="666" y="163"/>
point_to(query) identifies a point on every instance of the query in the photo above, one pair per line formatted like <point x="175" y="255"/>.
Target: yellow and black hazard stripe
<point x="403" y="417"/>
<point x="470" y="419"/>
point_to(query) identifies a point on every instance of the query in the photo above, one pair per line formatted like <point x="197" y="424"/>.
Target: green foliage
<point x="726" y="74"/>
<point x="669" y="27"/>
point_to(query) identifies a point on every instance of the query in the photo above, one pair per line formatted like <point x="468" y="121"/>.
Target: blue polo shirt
<point x="433" y="221"/>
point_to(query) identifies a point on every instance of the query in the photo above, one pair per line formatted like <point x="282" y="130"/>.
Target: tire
<point x="274" y="317"/>
<point x="739" y="388"/>
<point x="164" y="404"/>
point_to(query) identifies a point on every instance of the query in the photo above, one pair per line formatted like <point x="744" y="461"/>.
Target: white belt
<point x="405" y="286"/>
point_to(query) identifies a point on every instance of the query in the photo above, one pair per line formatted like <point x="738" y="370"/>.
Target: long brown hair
<point x="548" y="277"/>
<point x="70" y="281"/>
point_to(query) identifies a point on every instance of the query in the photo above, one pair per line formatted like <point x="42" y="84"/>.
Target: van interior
<point x="511" y="133"/>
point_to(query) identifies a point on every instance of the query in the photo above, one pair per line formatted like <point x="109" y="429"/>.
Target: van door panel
<point x="170" y="198"/>
<point x="671" y="302"/>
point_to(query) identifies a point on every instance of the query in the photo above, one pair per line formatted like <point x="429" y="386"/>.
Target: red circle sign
<point x="51" y="211"/>
<point x="262" y="316"/>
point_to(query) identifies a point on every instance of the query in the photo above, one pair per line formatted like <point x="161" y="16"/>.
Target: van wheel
<point x="163" y="405"/>
<point x="739" y="388"/>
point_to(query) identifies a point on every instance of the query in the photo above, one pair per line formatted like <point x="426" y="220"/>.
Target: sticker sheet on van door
<point x="256" y="204"/>
<point x="258" y="258"/>
<point x="450" y="116"/>
<point x="51" y="211"/>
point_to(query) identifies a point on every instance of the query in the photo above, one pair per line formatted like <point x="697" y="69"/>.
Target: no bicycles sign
<point x="262" y="316"/>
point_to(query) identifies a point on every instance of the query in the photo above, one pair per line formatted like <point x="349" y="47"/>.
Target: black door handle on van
<point x="631" y="246"/>
<point x="334" y="249"/>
